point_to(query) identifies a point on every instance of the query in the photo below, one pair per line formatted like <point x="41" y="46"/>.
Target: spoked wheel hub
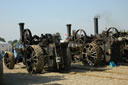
<point x="91" y="54"/>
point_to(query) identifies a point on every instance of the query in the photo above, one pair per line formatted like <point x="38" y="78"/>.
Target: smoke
<point x="107" y="19"/>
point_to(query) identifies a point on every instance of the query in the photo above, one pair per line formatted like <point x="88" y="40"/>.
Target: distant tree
<point x="2" y="39"/>
<point x="10" y="42"/>
<point x="14" y="43"/>
<point x="58" y="35"/>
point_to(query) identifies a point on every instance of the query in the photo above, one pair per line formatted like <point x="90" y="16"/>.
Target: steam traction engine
<point x="79" y="44"/>
<point x="110" y="45"/>
<point x="123" y="44"/>
<point x="45" y="51"/>
<point x="41" y="52"/>
<point x="95" y="49"/>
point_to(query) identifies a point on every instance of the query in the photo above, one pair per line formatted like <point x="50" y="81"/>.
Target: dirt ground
<point x="79" y="75"/>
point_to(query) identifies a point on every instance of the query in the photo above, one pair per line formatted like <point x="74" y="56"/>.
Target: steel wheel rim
<point x="89" y="55"/>
<point x="6" y="60"/>
<point x="31" y="60"/>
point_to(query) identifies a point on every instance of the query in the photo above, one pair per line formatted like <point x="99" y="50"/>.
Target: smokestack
<point x="68" y="30"/>
<point x="96" y="25"/>
<point x="21" y="25"/>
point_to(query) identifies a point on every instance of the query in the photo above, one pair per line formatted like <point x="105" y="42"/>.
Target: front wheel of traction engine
<point x="92" y="55"/>
<point x="9" y="60"/>
<point x="34" y="59"/>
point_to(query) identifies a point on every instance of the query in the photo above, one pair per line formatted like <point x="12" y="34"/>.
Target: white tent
<point x="5" y="47"/>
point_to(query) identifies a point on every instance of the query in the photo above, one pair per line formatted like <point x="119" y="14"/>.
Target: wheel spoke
<point x="83" y="53"/>
<point x="80" y="33"/>
<point x="90" y="63"/>
<point x="29" y="60"/>
<point x="34" y="62"/>
<point x="90" y="56"/>
<point x="7" y="64"/>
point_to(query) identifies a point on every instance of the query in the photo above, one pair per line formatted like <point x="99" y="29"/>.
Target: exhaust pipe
<point x="21" y="25"/>
<point x="96" y="26"/>
<point x="68" y="30"/>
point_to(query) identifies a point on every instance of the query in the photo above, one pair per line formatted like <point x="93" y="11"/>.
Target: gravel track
<point x="79" y="75"/>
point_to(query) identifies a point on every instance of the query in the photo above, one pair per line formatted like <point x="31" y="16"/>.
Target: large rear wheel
<point x="34" y="59"/>
<point x="92" y="55"/>
<point x="9" y="60"/>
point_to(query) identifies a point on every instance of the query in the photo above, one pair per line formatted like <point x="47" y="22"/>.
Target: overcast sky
<point x="51" y="16"/>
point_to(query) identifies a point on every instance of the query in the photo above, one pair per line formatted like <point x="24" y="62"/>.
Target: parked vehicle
<point x="1" y="71"/>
